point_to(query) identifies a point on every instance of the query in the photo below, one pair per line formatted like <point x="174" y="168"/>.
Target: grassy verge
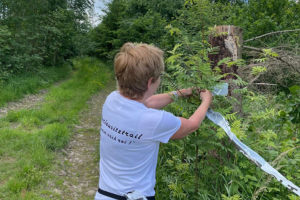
<point x="29" y="138"/>
<point x="28" y="83"/>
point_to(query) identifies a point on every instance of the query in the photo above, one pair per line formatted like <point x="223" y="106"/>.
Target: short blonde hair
<point x="134" y="65"/>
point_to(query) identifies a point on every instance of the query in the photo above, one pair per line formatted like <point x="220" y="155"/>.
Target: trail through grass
<point x="76" y="171"/>
<point x="31" y="82"/>
<point x="28" y="149"/>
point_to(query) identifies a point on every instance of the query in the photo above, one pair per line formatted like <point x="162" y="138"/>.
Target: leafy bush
<point x="206" y="165"/>
<point x="44" y="33"/>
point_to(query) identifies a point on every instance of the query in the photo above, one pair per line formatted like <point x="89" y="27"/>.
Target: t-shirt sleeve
<point x="166" y="128"/>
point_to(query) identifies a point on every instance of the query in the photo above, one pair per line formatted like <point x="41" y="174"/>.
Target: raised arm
<point x="159" y="101"/>
<point x="192" y="124"/>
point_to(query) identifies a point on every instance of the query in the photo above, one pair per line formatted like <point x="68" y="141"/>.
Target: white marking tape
<point x="219" y="120"/>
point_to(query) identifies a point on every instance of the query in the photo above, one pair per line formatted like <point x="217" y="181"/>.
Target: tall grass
<point x="31" y="82"/>
<point x="29" y="138"/>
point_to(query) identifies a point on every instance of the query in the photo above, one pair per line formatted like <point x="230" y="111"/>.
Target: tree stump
<point x="228" y="40"/>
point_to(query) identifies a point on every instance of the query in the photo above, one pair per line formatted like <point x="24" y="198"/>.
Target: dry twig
<point x="271" y="33"/>
<point x="277" y="58"/>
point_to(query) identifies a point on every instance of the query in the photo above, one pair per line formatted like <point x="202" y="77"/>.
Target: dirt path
<point x="28" y="102"/>
<point x="75" y="175"/>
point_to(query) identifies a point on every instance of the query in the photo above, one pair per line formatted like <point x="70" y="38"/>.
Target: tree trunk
<point x="228" y="41"/>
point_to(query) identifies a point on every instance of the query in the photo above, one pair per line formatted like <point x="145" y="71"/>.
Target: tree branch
<point x="254" y="79"/>
<point x="264" y="84"/>
<point x="277" y="58"/>
<point x="292" y="66"/>
<point x="271" y="33"/>
<point x="252" y="48"/>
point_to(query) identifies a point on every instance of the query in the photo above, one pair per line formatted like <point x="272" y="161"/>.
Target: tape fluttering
<point x="219" y="120"/>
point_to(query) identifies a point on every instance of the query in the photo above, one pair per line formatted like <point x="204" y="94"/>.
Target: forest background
<point x="41" y="39"/>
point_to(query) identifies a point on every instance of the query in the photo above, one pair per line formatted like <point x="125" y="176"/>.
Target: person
<point x="133" y="126"/>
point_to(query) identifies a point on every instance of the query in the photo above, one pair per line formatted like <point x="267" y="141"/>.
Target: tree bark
<point x="228" y="40"/>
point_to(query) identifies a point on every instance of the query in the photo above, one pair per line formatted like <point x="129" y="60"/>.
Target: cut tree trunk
<point x="228" y="41"/>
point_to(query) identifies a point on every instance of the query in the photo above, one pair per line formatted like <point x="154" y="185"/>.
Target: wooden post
<point x="228" y="39"/>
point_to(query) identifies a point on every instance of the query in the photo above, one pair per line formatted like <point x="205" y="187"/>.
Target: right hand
<point x="206" y="95"/>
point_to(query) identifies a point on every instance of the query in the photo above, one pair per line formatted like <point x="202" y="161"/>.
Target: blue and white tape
<point x="219" y="120"/>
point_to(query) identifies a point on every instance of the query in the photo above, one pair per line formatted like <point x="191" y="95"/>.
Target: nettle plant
<point x="206" y="165"/>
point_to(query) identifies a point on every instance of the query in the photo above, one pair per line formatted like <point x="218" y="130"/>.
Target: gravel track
<point x="76" y="172"/>
<point x="28" y="102"/>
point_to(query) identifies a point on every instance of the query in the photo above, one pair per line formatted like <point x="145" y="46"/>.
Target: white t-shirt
<point x="129" y="143"/>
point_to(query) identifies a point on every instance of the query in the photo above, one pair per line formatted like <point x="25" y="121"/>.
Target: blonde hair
<point x="134" y="65"/>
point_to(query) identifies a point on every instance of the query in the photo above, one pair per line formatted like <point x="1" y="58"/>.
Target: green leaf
<point x="270" y="53"/>
<point x="258" y="69"/>
<point x="224" y="61"/>
<point x="295" y="89"/>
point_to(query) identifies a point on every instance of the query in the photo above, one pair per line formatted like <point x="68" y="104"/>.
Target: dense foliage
<point x="135" y="21"/>
<point x="206" y="165"/>
<point x="40" y="33"/>
<point x="145" y="21"/>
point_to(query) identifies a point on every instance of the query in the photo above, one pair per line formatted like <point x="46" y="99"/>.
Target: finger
<point x="198" y="90"/>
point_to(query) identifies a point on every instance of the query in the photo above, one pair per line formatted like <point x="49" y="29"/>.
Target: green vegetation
<point x="41" y="33"/>
<point x="29" y="138"/>
<point x="263" y="109"/>
<point x="29" y="83"/>
<point x="206" y="165"/>
<point x="134" y="21"/>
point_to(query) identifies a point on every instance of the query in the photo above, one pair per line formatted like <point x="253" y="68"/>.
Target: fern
<point x="258" y="69"/>
<point x="270" y="53"/>
<point x="234" y="197"/>
<point x="236" y="128"/>
<point x="220" y="133"/>
<point x="260" y="60"/>
<point x="173" y="30"/>
<point x="173" y="58"/>
<point x="231" y="116"/>
<point x="224" y="61"/>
